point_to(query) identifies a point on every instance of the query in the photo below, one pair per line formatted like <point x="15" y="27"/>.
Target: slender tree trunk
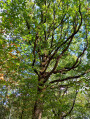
<point x="10" y="113"/>
<point x="22" y="113"/>
<point x="38" y="106"/>
<point x="37" y="113"/>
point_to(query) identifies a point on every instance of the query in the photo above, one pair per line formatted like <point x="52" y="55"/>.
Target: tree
<point x="50" y="40"/>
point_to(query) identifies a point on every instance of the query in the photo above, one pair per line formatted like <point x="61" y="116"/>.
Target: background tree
<point x="47" y="48"/>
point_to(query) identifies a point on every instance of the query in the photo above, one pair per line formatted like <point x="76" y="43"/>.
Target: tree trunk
<point x="37" y="113"/>
<point x="38" y="106"/>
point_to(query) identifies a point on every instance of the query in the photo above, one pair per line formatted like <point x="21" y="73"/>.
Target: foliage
<point x="45" y="59"/>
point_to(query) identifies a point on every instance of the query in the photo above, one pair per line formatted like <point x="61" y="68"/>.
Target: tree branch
<point x="71" y="77"/>
<point x="69" y="38"/>
<point x="71" y="107"/>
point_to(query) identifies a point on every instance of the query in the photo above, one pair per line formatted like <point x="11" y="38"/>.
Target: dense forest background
<point x="45" y="59"/>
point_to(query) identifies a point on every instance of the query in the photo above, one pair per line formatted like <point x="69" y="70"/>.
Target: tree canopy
<point x="45" y="59"/>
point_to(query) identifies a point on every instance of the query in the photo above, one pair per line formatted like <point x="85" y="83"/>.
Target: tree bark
<point x="38" y="106"/>
<point x="37" y="113"/>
